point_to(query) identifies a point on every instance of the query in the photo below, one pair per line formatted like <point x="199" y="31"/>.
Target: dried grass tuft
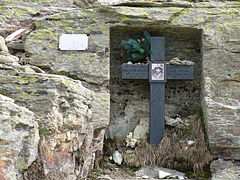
<point x="173" y="152"/>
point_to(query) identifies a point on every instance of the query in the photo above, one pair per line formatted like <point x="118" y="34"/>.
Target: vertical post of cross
<point x="157" y="79"/>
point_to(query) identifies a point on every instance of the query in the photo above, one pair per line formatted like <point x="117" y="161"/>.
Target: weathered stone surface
<point x="225" y="170"/>
<point x="224" y="118"/>
<point x="36" y="3"/>
<point x="122" y="125"/>
<point x="19" y="139"/>
<point x="5" y="57"/>
<point x="63" y="109"/>
<point x="63" y="3"/>
<point x="12" y="19"/>
<point x="84" y="3"/>
<point x="91" y="65"/>
<point x="16" y="45"/>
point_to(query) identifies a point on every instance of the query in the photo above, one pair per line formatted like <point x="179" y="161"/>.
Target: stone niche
<point x="129" y="105"/>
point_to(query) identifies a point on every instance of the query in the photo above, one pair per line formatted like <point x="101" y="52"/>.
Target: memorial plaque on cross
<point x="157" y="72"/>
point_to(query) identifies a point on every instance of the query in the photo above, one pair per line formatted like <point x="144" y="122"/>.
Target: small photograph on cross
<point x="158" y="71"/>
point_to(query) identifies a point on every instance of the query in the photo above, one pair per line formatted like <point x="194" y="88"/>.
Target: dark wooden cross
<point x="157" y="84"/>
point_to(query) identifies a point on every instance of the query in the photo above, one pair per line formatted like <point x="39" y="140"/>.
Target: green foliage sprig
<point x="138" y="49"/>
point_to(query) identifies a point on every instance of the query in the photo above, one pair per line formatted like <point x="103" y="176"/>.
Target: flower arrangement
<point x="138" y="49"/>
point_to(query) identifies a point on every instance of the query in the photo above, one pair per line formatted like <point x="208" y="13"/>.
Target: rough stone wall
<point x="90" y="66"/>
<point x="46" y="20"/>
<point x="65" y="112"/>
<point x="19" y="139"/>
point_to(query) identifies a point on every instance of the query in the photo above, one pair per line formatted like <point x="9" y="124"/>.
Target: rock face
<point x="91" y="65"/>
<point x="82" y="3"/>
<point x="135" y="115"/>
<point x="64" y="110"/>
<point x="19" y="139"/>
<point x="72" y="114"/>
<point x="225" y="170"/>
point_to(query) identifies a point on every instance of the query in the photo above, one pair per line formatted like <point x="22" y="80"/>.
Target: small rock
<point x="5" y="56"/>
<point x="163" y="174"/>
<point x="171" y="121"/>
<point x="177" y="61"/>
<point x="17" y="34"/>
<point x="189" y="63"/>
<point x="181" y="177"/>
<point x="178" y="122"/>
<point x="174" y="122"/>
<point x="37" y="69"/>
<point x="64" y="104"/>
<point x="190" y="142"/>
<point x="117" y="157"/>
<point x="142" y="128"/>
<point x="129" y="62"/>
<point x="153" y="172"/>
<point x="104" y="177"/>
<point x="3" y="46"/>
<point x="45" y="12"/>
<point x="27" y="69"/>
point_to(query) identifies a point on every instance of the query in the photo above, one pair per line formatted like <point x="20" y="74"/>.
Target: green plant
<point x="42" y="131"/>
<point x="182" y="154"/>
<point x="138" y="49"/>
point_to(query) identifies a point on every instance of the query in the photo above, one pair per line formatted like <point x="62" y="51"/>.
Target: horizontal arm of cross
<point x="140" y="71"/>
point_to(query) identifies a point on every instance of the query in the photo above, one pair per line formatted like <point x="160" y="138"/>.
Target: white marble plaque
<point x="73" y="42"/>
